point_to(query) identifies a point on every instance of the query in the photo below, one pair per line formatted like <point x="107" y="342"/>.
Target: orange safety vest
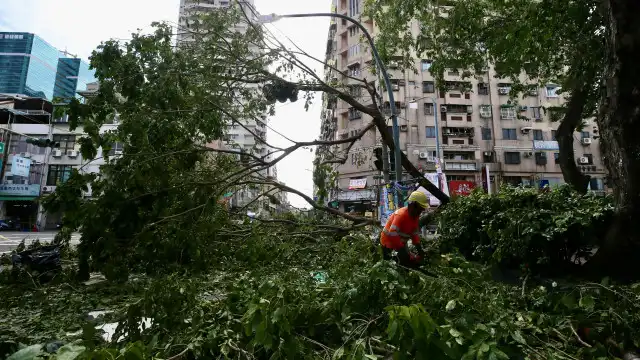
<point x="400" y="222"/>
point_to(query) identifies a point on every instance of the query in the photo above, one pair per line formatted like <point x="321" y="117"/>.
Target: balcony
<point x="461" y="165"/>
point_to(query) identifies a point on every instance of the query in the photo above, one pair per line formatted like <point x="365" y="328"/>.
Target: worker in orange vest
<point x="402" y="226"/>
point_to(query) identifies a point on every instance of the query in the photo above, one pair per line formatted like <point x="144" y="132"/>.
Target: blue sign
<point x="20" y="190"/>
<point x="545" y="145"/>
<point x="20" y="166"/>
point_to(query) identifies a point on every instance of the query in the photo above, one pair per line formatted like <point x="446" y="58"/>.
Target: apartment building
<point x="473" y="127"/>
<point x="251" y="135"/>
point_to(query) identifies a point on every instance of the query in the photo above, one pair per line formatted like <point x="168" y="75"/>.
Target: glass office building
<point x="30" y="66"/>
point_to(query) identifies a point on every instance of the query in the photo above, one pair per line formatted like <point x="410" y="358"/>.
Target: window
<point x="507" y="113"/>
<point x="536" y="112"/>
<point x="412" y="83"/>
<point x="457" y="142"/>
<point x="486" y="133"/>
<point x="454" y="95"/>
<point x="354" y="7"/>
<point x="553" y="134"/>
<point x="590" y="157"/>
<point x="512" y="158"/>
<point x="453" y="72"/>
<point x="354" y="114"/>
<point x="67" y="142"/>
<point x="537" y="135"/>
<point x="552" y="91"/>
<point x="431" y="132"/>
<point x="483" y="89"/>
<point x="58" y="174"/>
<point x="428" y="108"/>
<point x="509" y="134"/>
<point x="585" y="135"/>
<point x="556" y="157"/>
<point x="353" y="31"/>
<point x="117" y="146"/>
<point x="425" y="65"/>
<point x="596" y="184"/>
<point x="354" y="50"/>
<point x="354" y="70"/>
<point x="428" y="87"/>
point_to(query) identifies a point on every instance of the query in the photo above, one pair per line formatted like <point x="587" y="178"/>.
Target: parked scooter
<point x="9" y="224"/>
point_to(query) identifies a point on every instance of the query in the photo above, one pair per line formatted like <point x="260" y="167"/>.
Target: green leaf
<point x="29" y="353"/>
<point x="450" y="305"/>
<point x="587" y="302"/>
<point x="69" y="352"/>
<point x="517" y="336"/>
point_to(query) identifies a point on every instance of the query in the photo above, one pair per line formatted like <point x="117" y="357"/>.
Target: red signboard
<point x="460" y="187"/>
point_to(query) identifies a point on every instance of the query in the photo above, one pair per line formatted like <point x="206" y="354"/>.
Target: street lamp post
<point x="265" y="19"/>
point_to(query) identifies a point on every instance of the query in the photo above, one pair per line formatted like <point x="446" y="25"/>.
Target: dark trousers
<point x="402" y="258"/>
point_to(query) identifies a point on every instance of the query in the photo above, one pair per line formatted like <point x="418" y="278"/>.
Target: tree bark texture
<point x="564" y="135"/>
<point x="619" y="124"/>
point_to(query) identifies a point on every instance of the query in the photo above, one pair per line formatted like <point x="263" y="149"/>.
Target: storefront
<point x="358" y="199"/>
<point x="19" y="203"/>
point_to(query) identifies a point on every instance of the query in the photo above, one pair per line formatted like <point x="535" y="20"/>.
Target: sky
<point x="78" y="26"/>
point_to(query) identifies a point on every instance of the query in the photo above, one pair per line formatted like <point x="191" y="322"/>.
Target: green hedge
<point x="524" y="226"/>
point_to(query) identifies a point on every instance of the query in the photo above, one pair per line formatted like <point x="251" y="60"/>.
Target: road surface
<point x="9" y="240"/>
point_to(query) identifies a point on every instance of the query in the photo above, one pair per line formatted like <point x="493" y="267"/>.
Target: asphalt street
<point x="9" y="240"/>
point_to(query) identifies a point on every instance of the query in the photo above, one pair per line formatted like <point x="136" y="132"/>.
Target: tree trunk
<point x="407" y="165"/>
<point x="564" y="136"/>
<point x="619" y="125"/>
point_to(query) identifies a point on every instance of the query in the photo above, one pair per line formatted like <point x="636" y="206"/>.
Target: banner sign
<point x="20" y="166"/>
<point x="387" y="205"/>
<point x="459" y="187"/>
<point x="20" y="190"/>
<point x="357" y="184"/>
<point x="545" y="145"/>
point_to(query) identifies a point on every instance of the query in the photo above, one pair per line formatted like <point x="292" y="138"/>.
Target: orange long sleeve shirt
<point x="400" y="222"/>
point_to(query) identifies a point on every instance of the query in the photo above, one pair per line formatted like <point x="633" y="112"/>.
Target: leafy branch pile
<point x="547" y="231"/>
<point x="260" y="300"/>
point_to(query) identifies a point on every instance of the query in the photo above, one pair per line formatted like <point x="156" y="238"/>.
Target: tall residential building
<point x="32" y="67"/>
<point x="252" y="134"/>
<point x="471" y="127"/>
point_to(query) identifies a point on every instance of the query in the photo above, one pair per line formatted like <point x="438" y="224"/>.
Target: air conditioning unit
<point x="424" y="155"/>
<point x="586" y="141"/>
<point x="117" y="152"/>
<point x="583" y="160"/>
<point x="533" y="92"/>
<point x="526" y="129"/>
<point x="9" y="182"/>
<point x="485" y="112"/>
<point x="25" y="154"/>
<point x="393" y="65"/>
<point x="56" y="153"/>
<point x="72" y="153"/>
<point x="403" y="128"/>
<point x="488" y="153"/>
<point x="469" y="109"/>
<point x="443" y="108"/>
<point x="528" y="154"/>
<point x="503" y="91"/>
<point x="395" y="87"/>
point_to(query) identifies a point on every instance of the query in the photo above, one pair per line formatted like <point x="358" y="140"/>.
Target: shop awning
<point x="18" y="198"/>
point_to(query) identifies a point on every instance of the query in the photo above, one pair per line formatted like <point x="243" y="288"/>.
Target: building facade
<point x="473" y="127"/>
<point x="251" y="135"/>
<point x="32" y="67"/>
